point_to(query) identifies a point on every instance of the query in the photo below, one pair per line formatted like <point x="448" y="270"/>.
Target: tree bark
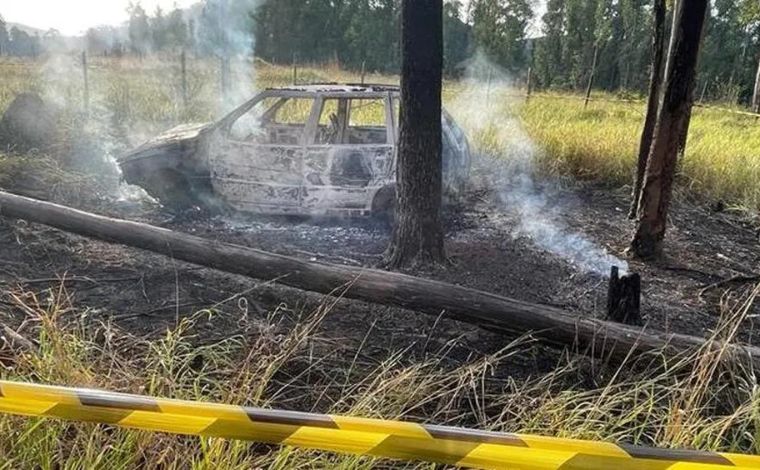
<point x="549" y="324"/>
<point x="418" y="233"/>
<point x="655" y="80"/>
<point x="672" y="120"/>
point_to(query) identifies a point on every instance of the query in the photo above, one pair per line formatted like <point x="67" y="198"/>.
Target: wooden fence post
<point x="529" y="84"/>
<point x="756" y="91"/>
<point x="591" y="77"/>
<point x="183" y="64"/>
<point x="295" y="70"/>
<point x="704" y="90"/>
<point x="86" y="78"/>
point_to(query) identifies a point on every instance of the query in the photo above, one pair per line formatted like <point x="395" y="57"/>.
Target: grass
<point x="698" y="401"/>
<point x="133" y="99"/>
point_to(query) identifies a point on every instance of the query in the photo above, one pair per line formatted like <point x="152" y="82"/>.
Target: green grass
<point x="722" y="159"/>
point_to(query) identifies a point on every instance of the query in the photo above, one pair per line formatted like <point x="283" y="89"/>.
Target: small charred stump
<point x="624" y="298"/>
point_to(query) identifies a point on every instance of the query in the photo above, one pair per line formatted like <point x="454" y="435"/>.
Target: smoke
<point x="487" y="105"/>
<point x="133" y="99"/>
<point x="226" y="31"/>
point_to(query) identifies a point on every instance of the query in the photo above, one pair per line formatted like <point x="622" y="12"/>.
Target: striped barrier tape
<point x="342" y="434"/>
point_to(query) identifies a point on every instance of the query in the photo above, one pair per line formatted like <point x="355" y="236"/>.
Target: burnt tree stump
<point x="624" y="298"/>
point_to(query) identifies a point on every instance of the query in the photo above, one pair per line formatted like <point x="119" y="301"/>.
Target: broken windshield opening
<point x="279" y="121"/>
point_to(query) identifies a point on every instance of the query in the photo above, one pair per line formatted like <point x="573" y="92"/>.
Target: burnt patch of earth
<point x="145" y="293"/>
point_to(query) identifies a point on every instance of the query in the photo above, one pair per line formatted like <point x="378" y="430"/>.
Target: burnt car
<point x="305" y="150"/>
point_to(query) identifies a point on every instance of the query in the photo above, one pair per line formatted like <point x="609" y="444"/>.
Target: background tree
<point x="549" y="65"/>
<point x="673" y="117"/>
<point x="138" y="29"/>
<point x="749" y="18"/>
<point x="456" y="37"/>
<point x="500" y="30"/>
<point x="177" y="33"/>
<point x="95" y="42"/>
<point x="4" y="39"/>
<point x="350" y="32"/>
<point x="418" y="234"/>
<point x="22" y="44"/>
<point x="159" y="37"/>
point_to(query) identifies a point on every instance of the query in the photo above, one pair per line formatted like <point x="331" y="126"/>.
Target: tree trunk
<point x="756" y="94"/>
<point x="418" y="234"/>
<point x="655" y="80"/>
<point x="672" y="120"/>
<point x="546" y="323"/>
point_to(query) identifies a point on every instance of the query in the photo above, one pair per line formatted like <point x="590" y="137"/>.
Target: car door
<point x="257" y="165"/>
<point x="352" y="155"/>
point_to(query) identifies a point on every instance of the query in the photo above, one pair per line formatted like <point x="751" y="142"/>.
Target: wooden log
<point x="624" y="298"/>
<point x="548" y="324"/>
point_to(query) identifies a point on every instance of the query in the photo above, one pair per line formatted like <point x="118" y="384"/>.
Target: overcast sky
<point x="72" y="17"/>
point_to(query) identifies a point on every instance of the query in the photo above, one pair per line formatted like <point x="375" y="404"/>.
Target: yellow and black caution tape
<point x="372" y="437"/>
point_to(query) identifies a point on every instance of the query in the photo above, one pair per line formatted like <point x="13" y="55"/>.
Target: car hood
<point x="176" y="138"/>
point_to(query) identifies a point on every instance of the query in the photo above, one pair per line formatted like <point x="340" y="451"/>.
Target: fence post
<point x="591" y="77"/>
<point x="86" y="78"/>
<point x="224" y="76"/>
<point x="529" y="84"/>
<point x="295" y="70"/>
<point x="183" y="63"/>
<point x="364" y="65"/>
<point x="488" y="86"/>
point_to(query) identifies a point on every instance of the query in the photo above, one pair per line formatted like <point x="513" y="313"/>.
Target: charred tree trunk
<point x="546" y="323"/>
<point x="671" y="122"/>
<point x="418" y="234"/>
<point x="685" y="134"/>
<point x="655" y="80"/>
<point x="624" y="298"/>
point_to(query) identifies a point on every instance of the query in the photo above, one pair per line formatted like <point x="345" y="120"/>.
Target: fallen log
<point x="549" y="324"/>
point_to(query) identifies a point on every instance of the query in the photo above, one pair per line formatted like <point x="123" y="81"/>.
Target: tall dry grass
<point x="702" y="400"/>
<point x="134" y="99"/>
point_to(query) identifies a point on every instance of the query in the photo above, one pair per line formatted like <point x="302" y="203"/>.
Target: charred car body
<point x="306" y="150"/>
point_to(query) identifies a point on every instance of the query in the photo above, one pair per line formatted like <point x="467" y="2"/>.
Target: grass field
<point x="140" y="98"/>
<point x="696" y="402"/>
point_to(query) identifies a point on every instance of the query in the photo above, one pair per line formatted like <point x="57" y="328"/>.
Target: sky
<point x="73" y="17"/>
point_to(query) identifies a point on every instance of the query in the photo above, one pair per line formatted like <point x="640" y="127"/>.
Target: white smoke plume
<point x="486" y="106"/>
<point x="226" y="31"/>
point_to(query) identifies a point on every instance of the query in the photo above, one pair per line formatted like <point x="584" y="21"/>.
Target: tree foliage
<point x="366" y="33"/>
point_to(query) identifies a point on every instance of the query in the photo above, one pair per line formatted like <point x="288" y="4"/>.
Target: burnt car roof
<point x="331" y="88"/>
